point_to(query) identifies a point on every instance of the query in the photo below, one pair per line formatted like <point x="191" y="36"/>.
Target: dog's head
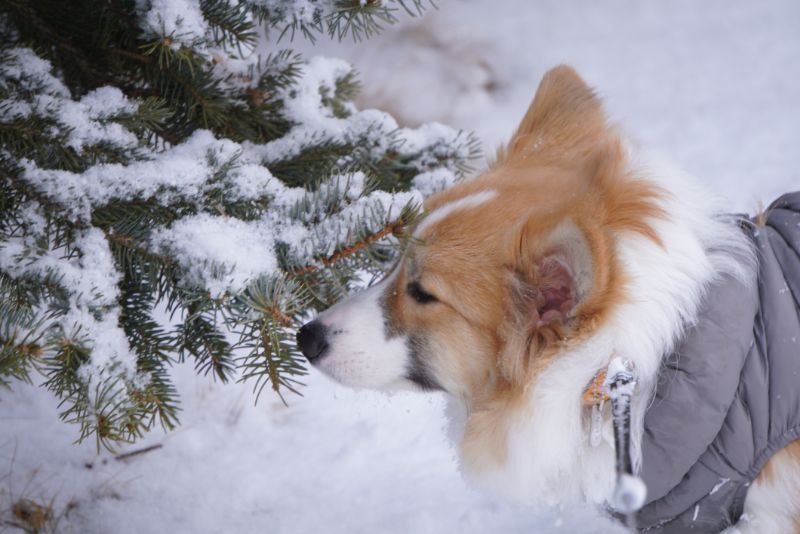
<point x="506" y="271"/>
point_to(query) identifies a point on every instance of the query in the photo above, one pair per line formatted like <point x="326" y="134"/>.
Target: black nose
<point x="311" y="340"/>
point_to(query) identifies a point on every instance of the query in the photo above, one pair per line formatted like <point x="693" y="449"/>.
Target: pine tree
<point x="174" y="186"/>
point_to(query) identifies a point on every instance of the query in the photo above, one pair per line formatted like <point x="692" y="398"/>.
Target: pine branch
<point x="24" y="15"/>
<point x="394" y="228"/>
<point x="115" y="206"/>
<point x="361" y="20"/>
<point x="271" y="357"/>
<point x="200" y="337"/>
<point x="20" y="348"/>
<point x="230" y="23"/>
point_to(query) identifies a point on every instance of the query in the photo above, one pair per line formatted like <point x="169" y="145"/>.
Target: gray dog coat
<point x="728" y="397"/>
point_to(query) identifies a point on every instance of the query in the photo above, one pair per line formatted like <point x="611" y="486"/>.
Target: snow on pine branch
<point x="109" y="220"/>
<point x="224" y="254"/>
<point x="360" y="18"/>
<point x="88" y="271"/>
<point x="185" y="173"/>
<point x="220" y="27"/>
<point x="181" y="20"/>
<point x="431" y="146"/>
<point x="26" y="74"/>
<point x="39" y="93"/>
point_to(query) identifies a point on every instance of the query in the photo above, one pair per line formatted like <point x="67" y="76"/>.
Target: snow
<point x="93" y="281"/>
<point x="335" y="461"/>
<point x="220" y="254"/>
<point x="85" y="118"/>
<point x="718" y="485"/>
<point x="320" y="72"/>
<point x="86" y="121"/>
<point x="712" y="85"/>
<point x="224" y="254"/>
<point x="181" y="20"/>
<point x="23" y="63"/>
<point x="303" y="11"/>
<point x="185" y="171"/>
<point x="315" y="122"/>
<point x="429" y="182"/>
<point x="95" y="272"/>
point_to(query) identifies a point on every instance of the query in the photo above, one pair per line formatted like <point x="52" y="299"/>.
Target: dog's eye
<point x="416" y="292"/>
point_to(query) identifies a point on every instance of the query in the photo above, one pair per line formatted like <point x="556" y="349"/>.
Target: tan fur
<point x="564" y="117"/>
<point x="784" y="459"/>
<point x="760" y="217"/>
<point x="773" y="500"/>
<point x="564" y="165"/>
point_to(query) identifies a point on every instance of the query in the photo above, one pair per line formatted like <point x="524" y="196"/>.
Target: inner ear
<point x="557" y="292"/>
<point x="557" y="272"/>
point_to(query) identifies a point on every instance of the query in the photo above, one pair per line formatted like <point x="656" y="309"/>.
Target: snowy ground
<point x="713" y="84"/>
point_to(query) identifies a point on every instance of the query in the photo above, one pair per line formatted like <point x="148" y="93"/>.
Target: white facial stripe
<point x="469" y="201"/>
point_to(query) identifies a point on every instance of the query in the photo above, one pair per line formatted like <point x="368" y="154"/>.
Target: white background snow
<point x="712" y="84"/>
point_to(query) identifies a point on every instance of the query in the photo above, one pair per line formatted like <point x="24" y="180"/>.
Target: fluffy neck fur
<point x="549" y="459"/>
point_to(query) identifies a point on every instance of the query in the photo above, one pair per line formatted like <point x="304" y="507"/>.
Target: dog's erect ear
<point x="565" y="116"/>
<point x="552" y="280"/>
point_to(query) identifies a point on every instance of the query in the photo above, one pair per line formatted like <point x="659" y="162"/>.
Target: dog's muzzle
<point x="312" y="340"/>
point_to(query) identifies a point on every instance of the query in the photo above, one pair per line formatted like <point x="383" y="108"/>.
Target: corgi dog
<point x="573" y="247"/>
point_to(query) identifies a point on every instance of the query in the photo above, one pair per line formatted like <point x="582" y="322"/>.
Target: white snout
<point x="359" y="353"/>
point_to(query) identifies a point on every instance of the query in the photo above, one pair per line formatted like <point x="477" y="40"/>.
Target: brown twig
<point x="391" y="228"/>
<point x="130" y="243"/>
<point x="126" y="455"/>
<point x="131" y="55"/>
<point x="279" y="316"/>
